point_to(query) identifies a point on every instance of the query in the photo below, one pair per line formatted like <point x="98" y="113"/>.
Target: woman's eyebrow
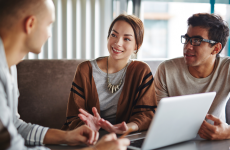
<point x="128" y="35"/>
<point x="115" y="31"/>
<point x="124" y="34"/>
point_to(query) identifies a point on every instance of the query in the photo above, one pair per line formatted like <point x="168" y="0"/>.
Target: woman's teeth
<point x="116" y="50"/>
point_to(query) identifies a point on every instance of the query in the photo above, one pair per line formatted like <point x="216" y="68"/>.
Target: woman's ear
<point x="29" y="24"/>
<point x="135" y="50"/>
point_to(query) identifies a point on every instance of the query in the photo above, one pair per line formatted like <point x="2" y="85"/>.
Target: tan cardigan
<point x="137" y="102"/>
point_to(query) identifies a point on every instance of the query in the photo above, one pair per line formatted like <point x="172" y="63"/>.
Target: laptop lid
<point x="177" y="119"/>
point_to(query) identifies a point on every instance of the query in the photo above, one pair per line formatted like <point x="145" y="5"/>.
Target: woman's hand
<point x="90" y="120"/>
<point x="120" y="128"/>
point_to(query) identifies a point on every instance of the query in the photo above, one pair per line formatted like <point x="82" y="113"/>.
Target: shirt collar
<point x="3" y="62"/>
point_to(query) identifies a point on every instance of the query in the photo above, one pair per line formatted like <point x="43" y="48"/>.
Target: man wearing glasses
<point x="200" y="70"/>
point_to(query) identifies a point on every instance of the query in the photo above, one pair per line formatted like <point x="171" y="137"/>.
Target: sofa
<point x="44" y="87"/>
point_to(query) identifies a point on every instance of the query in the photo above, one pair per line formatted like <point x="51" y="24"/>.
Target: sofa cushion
<point x="44" y="87"/>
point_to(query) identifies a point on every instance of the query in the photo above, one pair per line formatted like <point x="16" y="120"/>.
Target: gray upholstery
<point x="153" y="64"/>
<point x="44" y="87"/>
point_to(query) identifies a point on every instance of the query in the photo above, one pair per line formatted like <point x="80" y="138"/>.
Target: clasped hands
<point x="95" y="122"/>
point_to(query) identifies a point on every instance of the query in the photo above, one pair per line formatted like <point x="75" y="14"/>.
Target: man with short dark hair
<point x="24" y="27"/>
<point x="200" y="70"/>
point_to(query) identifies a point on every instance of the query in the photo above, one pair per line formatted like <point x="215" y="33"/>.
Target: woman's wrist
<point x="133" y="125"/>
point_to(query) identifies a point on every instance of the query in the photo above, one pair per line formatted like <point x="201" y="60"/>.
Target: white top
<point x="17" y="128"/>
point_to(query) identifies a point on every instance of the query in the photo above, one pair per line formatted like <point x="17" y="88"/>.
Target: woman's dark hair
<point x="217" y="28"/>
<point x="136" y="24"/>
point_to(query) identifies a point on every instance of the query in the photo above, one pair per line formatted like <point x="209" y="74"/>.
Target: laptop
<point x="177" y="119"/>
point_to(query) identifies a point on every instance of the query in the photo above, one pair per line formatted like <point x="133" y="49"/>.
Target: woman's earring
<point x="135" y="52"/>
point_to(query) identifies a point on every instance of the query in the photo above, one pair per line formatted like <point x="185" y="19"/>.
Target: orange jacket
<point x="137" y="102"/>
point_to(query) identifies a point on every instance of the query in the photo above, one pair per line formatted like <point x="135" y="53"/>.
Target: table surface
<point x="188" y="145"/>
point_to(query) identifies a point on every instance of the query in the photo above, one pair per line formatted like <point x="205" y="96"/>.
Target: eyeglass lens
<point x="193" y="41"/>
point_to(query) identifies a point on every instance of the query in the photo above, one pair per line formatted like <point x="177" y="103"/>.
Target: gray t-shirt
<point x="108" y="100"/>
<point x="173" y="79"/>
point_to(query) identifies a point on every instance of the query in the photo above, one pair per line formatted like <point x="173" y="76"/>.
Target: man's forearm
<point x="74" y="137"/>
<point x="55" y="136"/>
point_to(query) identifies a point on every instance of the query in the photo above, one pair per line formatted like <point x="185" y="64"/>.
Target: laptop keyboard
<point x="137" y="143"/>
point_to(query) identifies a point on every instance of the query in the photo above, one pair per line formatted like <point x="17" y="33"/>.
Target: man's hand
<point x="110" y="142"/>
<point x="83" y="134"/>
<point x="219" y="131"/>
<point x="90" y="120"/>
<point x="118" y="128"/>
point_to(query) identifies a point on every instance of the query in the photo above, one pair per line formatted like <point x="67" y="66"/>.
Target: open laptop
<point x="177" y="119"/>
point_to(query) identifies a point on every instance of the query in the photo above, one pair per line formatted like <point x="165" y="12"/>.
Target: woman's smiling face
<point x="121" y="42"/>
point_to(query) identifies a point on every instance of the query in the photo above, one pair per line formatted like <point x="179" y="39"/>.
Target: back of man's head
<point x="217" y="28"/>
<point x="13" y="10"/>
<point x="26" y="23"/>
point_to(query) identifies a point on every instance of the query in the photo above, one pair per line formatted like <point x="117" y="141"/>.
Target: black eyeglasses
<point x="195" y="41"/>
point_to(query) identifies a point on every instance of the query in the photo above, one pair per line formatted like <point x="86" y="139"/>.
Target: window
<point x="165" y="21"/>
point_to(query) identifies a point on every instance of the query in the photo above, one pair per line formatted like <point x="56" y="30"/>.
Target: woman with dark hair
<point x="114" y="92"/>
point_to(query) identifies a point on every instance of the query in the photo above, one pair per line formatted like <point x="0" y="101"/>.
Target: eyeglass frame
<point x="202" y="39"/>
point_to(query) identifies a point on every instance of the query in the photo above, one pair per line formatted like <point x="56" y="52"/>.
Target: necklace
<point x="113" y="88"/>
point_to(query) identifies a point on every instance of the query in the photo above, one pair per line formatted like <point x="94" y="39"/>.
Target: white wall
<point x="80" y="30"/>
